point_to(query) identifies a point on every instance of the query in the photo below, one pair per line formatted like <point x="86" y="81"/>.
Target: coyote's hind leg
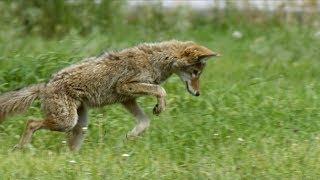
<point x="61" y="116"/>
<point x="31" y="127"/>
<point x="77" y="134"/>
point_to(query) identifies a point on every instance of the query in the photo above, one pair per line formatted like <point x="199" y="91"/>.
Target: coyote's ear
<point x="199" y="53"/>
<point x="204" y="58"/>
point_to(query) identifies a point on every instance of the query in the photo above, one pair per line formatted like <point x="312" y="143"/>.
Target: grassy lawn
<point x="257" y="116"/>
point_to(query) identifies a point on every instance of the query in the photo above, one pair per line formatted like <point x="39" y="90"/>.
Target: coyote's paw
<point x="130" y="136"/>
<point x="28" y="147"/>
<point x="158" y="108"/>
<point x="16" y="147"/>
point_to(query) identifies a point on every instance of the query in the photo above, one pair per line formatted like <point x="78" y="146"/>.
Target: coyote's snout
<point x="115" y="77"/>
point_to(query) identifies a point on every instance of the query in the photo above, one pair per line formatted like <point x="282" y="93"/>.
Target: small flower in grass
<point x="64" y="142"/>
<point x="215" y="136"/>
<point x="317" y="34"/>
<point x="50" y="153"/>
<point x="240" y="139"/>
<point x="237" y="34"/>
<point x="72" y="161"/>
<point x="125" y="155"/>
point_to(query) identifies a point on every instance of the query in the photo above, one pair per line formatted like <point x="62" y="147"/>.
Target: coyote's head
<point x="190" y="64"/>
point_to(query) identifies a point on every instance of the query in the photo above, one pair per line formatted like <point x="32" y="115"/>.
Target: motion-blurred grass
<point x="257" y="117"/>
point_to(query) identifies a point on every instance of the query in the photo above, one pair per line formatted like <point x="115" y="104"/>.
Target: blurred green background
<point x="257" y="118"/>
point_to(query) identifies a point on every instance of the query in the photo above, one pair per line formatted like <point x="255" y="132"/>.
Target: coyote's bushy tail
<point x="18" y="100"/>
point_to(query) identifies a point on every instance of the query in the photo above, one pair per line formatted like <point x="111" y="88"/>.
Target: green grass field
<point x="257" y="117"/>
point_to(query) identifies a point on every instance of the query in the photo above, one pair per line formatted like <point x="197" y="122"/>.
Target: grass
<point x="257" y="117"/>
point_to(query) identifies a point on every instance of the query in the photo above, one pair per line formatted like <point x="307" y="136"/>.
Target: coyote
<point x="114" y="77"/>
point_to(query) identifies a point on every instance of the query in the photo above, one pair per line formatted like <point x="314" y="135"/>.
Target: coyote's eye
<point x="195" y="72"/>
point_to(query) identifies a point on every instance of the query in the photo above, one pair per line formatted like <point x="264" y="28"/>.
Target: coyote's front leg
<point x="142" y="119"/>
<point x="146" y="89"/>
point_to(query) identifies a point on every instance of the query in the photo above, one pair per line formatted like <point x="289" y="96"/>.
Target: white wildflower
<point x="240" y="139"/>
<point x="317" y="34"/>
<point x="237" y="34"/>
<point x="50" y="153"/>
<point x="125" y="155"/>
<point x="98" y="1"/>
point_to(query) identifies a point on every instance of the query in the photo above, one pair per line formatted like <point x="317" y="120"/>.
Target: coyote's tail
<point x="18" y="100"/>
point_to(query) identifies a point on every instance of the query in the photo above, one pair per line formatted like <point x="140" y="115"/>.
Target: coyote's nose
<point x="197" y="93"/>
